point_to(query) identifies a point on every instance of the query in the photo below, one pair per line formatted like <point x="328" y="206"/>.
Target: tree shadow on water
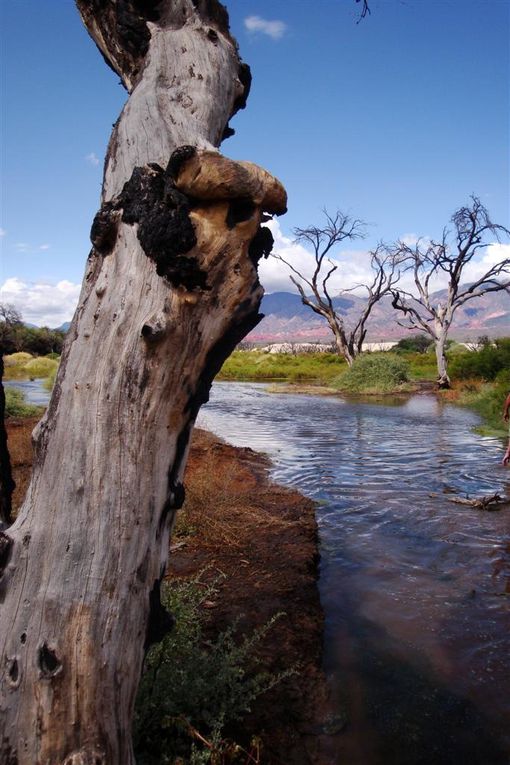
<point x="417" y="720"/>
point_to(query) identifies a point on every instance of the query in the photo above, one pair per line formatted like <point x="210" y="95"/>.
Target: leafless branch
<point x="473" y="230"/>
<point x="385" y="270"/>
<point x="365" y="10"/>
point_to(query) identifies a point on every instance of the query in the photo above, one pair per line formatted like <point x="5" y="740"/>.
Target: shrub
<point x="374" y="373"/>
<point x="192" y="686"/>
<point x="16" y="405"/>
<point x="40" y="367"/>
<point x="414" y="344"/>
<point x="17" y="359"/>
<point x="484" y="363"/>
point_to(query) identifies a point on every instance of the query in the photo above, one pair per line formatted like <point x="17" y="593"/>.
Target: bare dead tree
<point x="472" y="232"/>
<point x="170" y="288"/>
<point x="315" y="291"/>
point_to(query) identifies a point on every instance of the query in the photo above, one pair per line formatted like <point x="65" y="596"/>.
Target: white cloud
<point x="25" y="247"/>
<point x="92" y="159"/>
<point x="353" y="265"/>
<point x="2" y="232"/>
<point x="492" y="255"/>
<point x="274" y="29"/>
<point x="409" y="239"/>
<point x="41" y="303"/>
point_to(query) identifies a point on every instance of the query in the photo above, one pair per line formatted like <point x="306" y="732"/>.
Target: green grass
<point x="375" y="373"/>
<point x="318" y="368"/>
<point x="422" y="366"/>
<point x="16" y="405"/>
<point x="487" y="400"/>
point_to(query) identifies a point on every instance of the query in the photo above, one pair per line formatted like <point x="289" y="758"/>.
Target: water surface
<point x="415" y="588"/>
<point x="34" y="390"/>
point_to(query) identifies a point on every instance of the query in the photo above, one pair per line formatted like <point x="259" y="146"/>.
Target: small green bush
<point x="375" y="373"/>
<point x="193" y="685"/>
<point x="16" y="406"/>
<point x="40" y="367"/>
<point x="413" y="344"/>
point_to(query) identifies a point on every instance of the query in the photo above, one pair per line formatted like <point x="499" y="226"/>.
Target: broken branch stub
<point x="161" y="203"/>
<point x="208" y="175"/>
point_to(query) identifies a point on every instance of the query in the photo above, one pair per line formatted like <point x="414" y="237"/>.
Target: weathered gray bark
<point x="442" y="327"/>
<point x="171" y="286"/>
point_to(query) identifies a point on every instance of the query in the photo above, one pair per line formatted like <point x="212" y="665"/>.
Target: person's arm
<point x="506" y="408"/>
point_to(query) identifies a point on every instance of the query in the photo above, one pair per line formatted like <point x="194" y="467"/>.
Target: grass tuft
<point x="16" y="405"/>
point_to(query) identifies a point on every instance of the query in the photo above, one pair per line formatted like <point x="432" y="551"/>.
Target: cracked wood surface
<point x="83" y="560"/>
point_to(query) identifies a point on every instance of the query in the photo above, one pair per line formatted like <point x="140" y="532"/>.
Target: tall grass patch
<point x="16" y="405"/>
<point x="487" y="400"/>
<point x="319" y="368"/>
<point x="375" y="373"/>
<point x="40" y="367"/>
<point x="17" y="359"/>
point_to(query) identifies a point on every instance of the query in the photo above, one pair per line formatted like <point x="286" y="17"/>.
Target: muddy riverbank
<point x="263" y="538"/>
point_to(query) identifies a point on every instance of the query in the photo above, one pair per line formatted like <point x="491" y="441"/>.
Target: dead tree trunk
<point x="171" y="287"/>
<point x="441" y="334"/>
<point x="7" y="484"/>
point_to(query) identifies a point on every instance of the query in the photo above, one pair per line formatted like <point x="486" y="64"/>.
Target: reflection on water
<point x="415" y="588"/>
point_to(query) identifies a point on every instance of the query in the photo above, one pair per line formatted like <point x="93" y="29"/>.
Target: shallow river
<point x="415" y="588"/>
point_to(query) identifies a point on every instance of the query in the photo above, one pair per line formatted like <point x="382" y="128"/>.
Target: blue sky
<point x="396" y="119"/>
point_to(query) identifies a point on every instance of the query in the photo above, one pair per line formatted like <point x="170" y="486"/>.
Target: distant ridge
<point x="288" y="320"/>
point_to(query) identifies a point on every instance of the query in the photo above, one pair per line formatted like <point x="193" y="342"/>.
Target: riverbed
<point x="415" y="588"/>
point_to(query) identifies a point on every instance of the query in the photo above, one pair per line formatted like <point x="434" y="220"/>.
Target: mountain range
<point x="286" y="319"/>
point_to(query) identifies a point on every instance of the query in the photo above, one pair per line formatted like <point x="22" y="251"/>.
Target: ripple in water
<point x="415" y="588"/>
